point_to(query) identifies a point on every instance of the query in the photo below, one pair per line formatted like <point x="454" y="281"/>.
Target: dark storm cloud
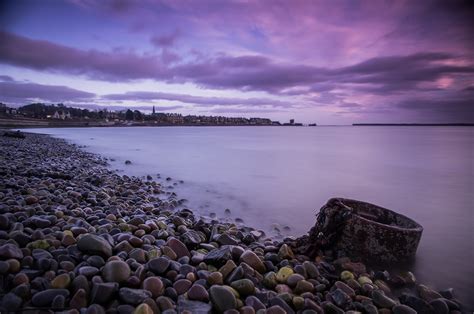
<point x="243" y="110"/>
<point x="454" y="109"/>
<point x="258" y="73"/>
<point x="45" y="55"/>
<point x="167" y="40"/>
<point x="115" y="107"/>
<point x="196" y="100"/>
<point x="6" y="78"/>
<point x="19" y="92"/>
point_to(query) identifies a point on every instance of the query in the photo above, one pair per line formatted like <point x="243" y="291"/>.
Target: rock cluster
<point x="76" y="237"/>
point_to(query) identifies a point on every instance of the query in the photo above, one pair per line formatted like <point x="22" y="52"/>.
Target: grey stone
<point x="134" y="296"/>
<point x="11" y="302"/>
<point x="103" y="292"/>
<point x="158" y="265"/>
<point x="94" y="245"/>
<point x="222" y="298"/>
<point x="218" y="257"/>
<point x="198" y="293"/>
<point x="10" y="250"/>
<point x="178" y="247"/>
<point x="46" y="297"/>
<point x="381" y="300"/>
<point x="116" y="271"/>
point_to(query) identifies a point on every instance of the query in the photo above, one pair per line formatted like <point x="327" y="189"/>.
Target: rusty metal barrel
<point x="366" y="231"/>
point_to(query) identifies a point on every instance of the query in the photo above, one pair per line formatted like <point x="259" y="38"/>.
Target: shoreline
<point x="71" y="225"/>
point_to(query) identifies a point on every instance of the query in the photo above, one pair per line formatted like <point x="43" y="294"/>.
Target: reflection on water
<point x="276" y="177"/>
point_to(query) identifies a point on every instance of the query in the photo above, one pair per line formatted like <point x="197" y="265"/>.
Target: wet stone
<point x="344" y="287"/>
<point x="103" y="292"/>
<point x="347" y="275"/>
<point x="61" y="281"/>
<point x="341" y="299"/>
<point x="134" y="296"/>
<point x="193" y="306"/>
<point x="403" y="309"/>
<point x="198" y="293"/>
<point x="418" y="304"/>
<point x="382" y="300"/>
<point x="191" y="238"/>
<point x="116" y="271"/>
<point x="236" y="274"/>
<point x="11" y="302"/>
<point x="293" y="279"/>
<point x="182" y="285"/>
<point x="244" y="286"/>
<point x="158" y="265"/>
<point x="255" y="303"/>
<point x="253" y="260"/>
<point x="178" y="247"/>
<point x="427" y="293"/>
<point x="78" y="300"/>
<point x="228" y="268"/>
<point x="283" y="274"/>
<point x="225" y="239"/>
<point x="277" y="301"/>
<point x="222" y="298"/>
<point x="88" y="271"/>
<point x="285" y="252"/>
<point x="45" y="298"/>
<point x="439" y="306"/>
<point x="270" y="280"/>
<point x="94" y="245"/>
<point x="218" y="257"/>
<point x="304" y="286"/>
<point x="154" y="285"/>
<point x="215" y="278"/>
<point x="10" y="251"/>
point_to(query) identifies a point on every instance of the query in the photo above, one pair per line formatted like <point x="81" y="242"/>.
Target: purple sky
<point x="330" y="62"/>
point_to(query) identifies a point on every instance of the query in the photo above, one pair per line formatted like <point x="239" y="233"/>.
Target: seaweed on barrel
<point x="361" y="230"/>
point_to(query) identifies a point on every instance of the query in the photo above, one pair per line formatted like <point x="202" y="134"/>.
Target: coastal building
<point x="292" y="123"/>
<point x="61" y="115"/>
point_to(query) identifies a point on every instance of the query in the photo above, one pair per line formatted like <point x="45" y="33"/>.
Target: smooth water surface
<point x="276" y="178"/>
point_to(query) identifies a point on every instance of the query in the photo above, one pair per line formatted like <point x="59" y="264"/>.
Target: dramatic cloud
<point x="196" y="100"/>
<point x="45" y="55"/>
<point x="6" y="78"/>
<point x="19" y="92"/>
<point x="244" y="111"/>
<point x="165" y="40"/>
<point x="115" y="107"/>
<point x="396" y="58"/>
<point x="257" y="73"/>
<point x="454" y="109"/>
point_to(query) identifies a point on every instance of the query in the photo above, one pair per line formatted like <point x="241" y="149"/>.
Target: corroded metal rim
<point x="350" y="203"/>
<point x="362" y="230"/>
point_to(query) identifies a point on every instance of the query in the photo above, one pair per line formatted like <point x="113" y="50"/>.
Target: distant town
<point x="40" y="114"/>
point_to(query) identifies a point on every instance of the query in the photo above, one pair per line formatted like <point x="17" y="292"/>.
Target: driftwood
<point x="363" y="231"/>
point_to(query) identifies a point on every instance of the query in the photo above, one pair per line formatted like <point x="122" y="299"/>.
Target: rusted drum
<point x="366" y="231"/>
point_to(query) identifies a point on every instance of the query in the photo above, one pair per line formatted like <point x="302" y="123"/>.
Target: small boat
<point x="363" y="231"/>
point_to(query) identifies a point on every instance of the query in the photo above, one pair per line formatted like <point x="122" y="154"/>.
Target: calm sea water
<point x="276" y="178"/>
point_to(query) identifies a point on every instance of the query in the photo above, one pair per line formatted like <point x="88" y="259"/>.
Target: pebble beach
<point x="77" y="237"/>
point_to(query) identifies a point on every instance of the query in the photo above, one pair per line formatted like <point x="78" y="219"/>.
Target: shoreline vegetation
<point x="76" y="237"/>
<point x="44" y="115"/>
<point x="40" y="115"/>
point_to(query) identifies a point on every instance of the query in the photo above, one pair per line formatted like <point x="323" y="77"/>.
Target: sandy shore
<point x="76" y="237"/>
